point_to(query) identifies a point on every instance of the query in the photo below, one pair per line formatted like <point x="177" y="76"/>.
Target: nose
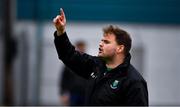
<point x="100" y="44"/>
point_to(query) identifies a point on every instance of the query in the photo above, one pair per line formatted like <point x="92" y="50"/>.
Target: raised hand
<point x="60" y="22"/>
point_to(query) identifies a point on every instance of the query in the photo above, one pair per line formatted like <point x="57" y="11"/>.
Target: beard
<point x="105" y="58"/>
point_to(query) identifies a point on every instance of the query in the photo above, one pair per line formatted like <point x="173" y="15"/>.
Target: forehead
<point x="109" y="36"/>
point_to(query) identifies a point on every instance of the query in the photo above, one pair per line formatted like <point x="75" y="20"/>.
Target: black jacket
<point x="123" y="85"/>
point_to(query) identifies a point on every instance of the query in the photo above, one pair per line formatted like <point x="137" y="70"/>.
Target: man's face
<point x="107" y="46"/>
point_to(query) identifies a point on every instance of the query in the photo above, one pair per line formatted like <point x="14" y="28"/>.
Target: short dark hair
<point x="122" y="37"/>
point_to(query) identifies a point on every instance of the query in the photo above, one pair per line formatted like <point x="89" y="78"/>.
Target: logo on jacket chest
<point x="114" y="84"/>
<point x="93" y="75"/>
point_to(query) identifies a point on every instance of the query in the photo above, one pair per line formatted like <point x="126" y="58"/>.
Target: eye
<point x="106" y="41"/>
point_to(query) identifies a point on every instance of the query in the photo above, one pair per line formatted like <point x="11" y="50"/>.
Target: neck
<point x="115" y="61"/>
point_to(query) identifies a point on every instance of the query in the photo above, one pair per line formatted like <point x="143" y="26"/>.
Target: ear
<point x="120" y="49"/>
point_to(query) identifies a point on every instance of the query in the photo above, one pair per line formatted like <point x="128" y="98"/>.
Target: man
<point x="72" y="86"/>
<point x="112" y="80"/>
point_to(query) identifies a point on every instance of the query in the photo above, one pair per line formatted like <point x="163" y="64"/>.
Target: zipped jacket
<point x="122" y="85"/>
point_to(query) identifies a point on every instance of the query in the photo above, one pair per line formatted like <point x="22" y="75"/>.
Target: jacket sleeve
<point x="80" y="63"/>
<point x="137" y="94"/>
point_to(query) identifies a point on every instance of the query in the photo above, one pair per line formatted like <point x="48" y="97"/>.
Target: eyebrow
<point x="105" y="41"/>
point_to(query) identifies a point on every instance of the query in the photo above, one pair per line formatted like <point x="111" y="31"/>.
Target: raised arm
<point x="80" y="63"/>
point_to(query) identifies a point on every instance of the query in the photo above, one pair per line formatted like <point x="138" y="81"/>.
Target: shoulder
<point x="134" y="78"/>
<point x="133" y="74"/>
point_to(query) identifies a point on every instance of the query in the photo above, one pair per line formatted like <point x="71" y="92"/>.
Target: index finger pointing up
<point x="62" y="13"/>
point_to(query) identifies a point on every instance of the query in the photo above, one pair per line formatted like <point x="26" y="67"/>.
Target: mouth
<point x="100" y="50"/>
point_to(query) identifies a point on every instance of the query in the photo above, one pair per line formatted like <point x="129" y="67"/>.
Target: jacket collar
<point x="122" y="68"/>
